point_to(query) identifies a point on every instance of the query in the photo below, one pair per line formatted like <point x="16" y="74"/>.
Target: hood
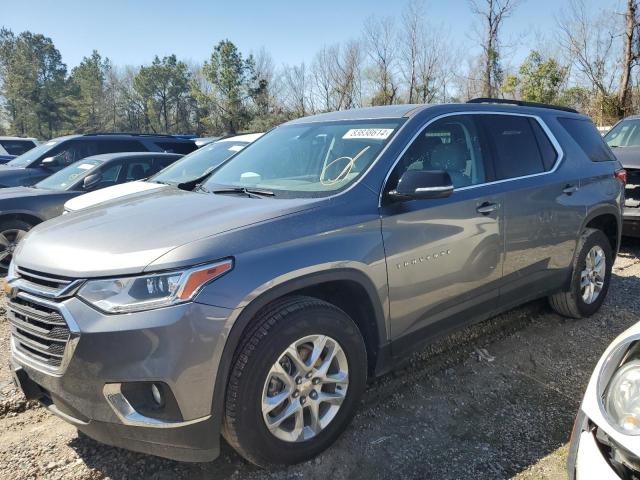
<point x="21" y="192"/>
<point x="629" y="157"/>
<point x="110" y="193"/>
<point x="125" y="236"/>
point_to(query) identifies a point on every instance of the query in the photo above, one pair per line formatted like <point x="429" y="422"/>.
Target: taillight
<point x="621" y="175"/>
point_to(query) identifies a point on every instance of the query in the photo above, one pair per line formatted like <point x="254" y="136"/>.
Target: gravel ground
<point x="496" y="400"/>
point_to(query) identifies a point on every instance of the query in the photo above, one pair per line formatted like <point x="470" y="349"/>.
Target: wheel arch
<point x="606" y="218"/>
<point x="349" y="289"/>
<point x="25" y="216"/>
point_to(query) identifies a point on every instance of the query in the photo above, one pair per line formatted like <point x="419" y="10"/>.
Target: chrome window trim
<point x="541" y="122"/>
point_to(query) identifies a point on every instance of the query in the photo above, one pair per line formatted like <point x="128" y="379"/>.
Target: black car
<point x="23" y="207"/>
<point x="54" y="155"/>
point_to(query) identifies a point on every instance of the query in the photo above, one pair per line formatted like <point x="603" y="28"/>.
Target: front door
<point x="444" y="256"/>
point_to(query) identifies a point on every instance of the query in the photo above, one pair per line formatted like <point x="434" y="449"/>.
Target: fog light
<point x="157" y="395"/>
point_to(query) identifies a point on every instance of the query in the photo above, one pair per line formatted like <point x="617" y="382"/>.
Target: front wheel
<point x="590" y="277"/>
<point x="11" y="233"/>
<point x="295" y="383"/>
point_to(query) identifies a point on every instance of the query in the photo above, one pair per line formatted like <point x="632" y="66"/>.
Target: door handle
<point x="486" y="208"/>
<point x="570" y="189"/>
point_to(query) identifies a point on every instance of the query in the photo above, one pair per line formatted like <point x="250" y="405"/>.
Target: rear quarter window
<point x="586" y="135"/>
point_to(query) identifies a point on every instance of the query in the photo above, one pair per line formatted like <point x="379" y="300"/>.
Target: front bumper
<point x="177" y="346"/>
<point x="586" y="461"/>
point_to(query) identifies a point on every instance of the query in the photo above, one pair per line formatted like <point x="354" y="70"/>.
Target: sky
<point x="132" y="32"/>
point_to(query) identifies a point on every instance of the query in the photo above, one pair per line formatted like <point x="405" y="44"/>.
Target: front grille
<point x="39" y="330"/>
<point x="632" y="190"/>
<point x="49" y="285"/>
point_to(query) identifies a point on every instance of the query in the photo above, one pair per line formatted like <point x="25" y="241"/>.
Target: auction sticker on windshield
<point x="369" y="133"/>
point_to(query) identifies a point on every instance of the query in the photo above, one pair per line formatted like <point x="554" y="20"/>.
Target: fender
<point x="249" y="311"/>
<point x="28" y="213"/>
<point x="604" y="209"/>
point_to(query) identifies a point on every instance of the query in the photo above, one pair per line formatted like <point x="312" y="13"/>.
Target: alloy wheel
<point x="593" y="276"/>
<point x="305" y="388"/>
<point x="9" y="240"/>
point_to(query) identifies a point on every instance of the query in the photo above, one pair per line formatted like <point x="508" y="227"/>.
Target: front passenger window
<point x="452" y="144"/>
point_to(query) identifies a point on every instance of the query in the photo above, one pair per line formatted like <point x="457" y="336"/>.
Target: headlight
<point x="145" y="292"/>
<point x="622" y="398"/>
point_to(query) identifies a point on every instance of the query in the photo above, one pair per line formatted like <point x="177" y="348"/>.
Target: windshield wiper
<point x="250" y="192"/>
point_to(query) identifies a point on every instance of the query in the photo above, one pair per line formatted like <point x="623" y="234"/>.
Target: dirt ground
<point x="493" y="401"/>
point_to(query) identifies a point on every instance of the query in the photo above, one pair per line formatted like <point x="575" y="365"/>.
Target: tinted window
<point x="69" y="152"/>
<point x="138" y="169"/>
<point x="17" y="147"/>
<point x="108" y="175"/>
<point x="116" y="146"/>
<point x="33" y="156"/>
<point x="177" y="147"/>
<point x="516" y="149"/>
<point x="587" y="137"/>
<point x="452" y="144"/>
<point x="548" y="152"/>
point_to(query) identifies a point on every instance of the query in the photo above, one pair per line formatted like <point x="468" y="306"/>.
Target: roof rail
<point x="521" y="103"/>
<point x="134" y="134"/>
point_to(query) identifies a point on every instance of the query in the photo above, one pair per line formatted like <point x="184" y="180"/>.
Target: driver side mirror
<point x="91" y="181"/>
<point x="49" y="162"/>
<point x="421" y="184"/>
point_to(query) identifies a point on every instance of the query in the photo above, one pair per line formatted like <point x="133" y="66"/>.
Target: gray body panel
<point x="427" y="266"/>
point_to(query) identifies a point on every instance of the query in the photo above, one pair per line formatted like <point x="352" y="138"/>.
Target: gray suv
<point x="257" y="303"/>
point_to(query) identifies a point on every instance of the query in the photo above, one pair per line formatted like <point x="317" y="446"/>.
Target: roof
<point x="107" y="157"/>
<point x="248" y="137"/>
<point x="367" y="113"/>
<point x="19" y="138"/>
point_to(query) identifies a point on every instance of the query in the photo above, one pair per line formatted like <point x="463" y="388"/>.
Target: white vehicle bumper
<point x="590" y="463"/>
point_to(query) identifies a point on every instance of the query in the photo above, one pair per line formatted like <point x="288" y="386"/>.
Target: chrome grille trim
<point x="41" y="338"/>
<point x="42" y="285"/>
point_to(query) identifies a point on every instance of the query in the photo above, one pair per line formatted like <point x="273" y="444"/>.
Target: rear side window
<point x="548" y="152"/>
<point x="587" y="137"/>
<point x="17" y="147"/>
<point x="116" y="146"/>
<point x="177" y="147"/>
<point x="517" y="152"/>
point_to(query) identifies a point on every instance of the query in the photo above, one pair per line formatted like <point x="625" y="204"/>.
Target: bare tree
<point x="296" y="96"/>
<point x="380" y="42"/>
<point x="411" y="45"/>
<point x="629" y="58"/>
<point x="589" y="42"/>
<point x="492" y="14"/>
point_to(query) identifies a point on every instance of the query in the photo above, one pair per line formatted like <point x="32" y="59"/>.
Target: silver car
<point x="257" y="302"/>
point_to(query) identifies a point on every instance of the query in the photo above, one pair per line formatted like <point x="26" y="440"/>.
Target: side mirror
<point x="419" y="184"/>
<point x="49" y="162"/>
<point x="91" y="181"/>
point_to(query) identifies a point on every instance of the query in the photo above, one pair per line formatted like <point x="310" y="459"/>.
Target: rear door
<point x="542" y="218"/>
<point x="444" y="256"/>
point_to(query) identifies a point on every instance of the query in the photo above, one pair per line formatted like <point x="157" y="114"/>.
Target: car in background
<point x="605" y="441"/>
<point x="11" y="147"/>
<point x="624" y="140"/>
<point x="202" y="141"/>
<point x="189" y="169"/>
<point x="58" y="153"/>
<point x="21" y="208"/>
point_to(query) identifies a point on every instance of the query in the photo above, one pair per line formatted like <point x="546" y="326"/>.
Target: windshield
<point x="306" y="160"/>
<point x="69" y="176"/>
<point x="32" y="155"/>
<point x="624" y="134"/>
<point x="198" y="163"/>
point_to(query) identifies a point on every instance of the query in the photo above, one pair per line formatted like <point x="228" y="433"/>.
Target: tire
<point x="570" y="303"/>
<point x="11" y="231"/>
<point x="277" y="327"/>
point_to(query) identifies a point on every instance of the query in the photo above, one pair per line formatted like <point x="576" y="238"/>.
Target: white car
<point x="188" y="169"/>
<point x="605" y="442"/>
<point x="16" y="145"/>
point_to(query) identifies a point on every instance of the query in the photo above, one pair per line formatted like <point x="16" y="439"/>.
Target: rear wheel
<point x="295" y="383"/>
<point x="11" y="233"/>
<point x="590" y="278"/>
